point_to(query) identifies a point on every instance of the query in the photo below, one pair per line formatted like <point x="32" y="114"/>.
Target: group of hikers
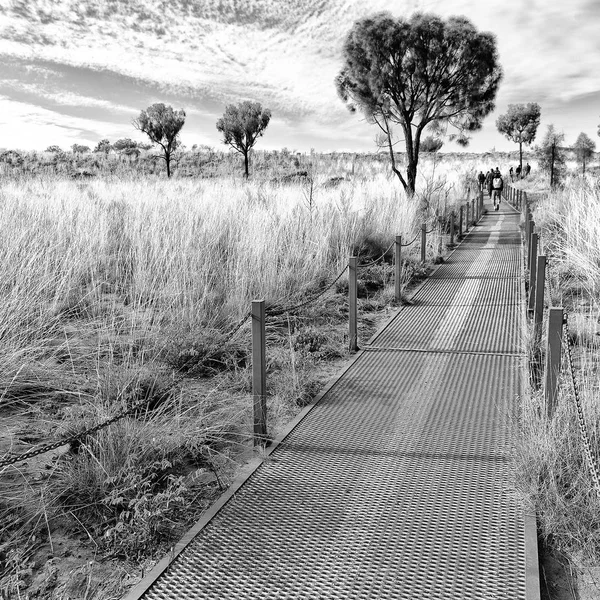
<point x="494" y="184"/>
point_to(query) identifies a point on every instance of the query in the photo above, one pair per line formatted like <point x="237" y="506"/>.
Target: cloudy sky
<point x="77" y="71"/>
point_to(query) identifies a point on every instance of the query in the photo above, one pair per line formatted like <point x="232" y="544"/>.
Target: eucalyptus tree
<point x="422" y="73"/>
<point x="519" y="124"/>
<point x="162" y="125"/>
<point x="242" y="125"/>
<point x="584" y="149"/>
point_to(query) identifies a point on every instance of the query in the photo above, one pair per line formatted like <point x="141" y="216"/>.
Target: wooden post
<point x="480" y="203"/>
<point x="423" y="242"/>
<point x="259" y="372"/>
<point x="473" y="211"/>
<point x="467" y="219"/>
<point x="398" y="268"/>
<point x="532" y="265"/>
<point x="352" y="302"/>
<point x="452" y="228"/>
<point x="530" y="230"/>
<point x="460" y="222"/>
<point x="555" y="330"/>
<point x="538" y="310"/>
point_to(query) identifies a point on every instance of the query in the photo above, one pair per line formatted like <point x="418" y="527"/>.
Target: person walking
<point x="527" y="169"/>
<point x="488" y="183"/>
<point x="497" y="187"/>
<point x="512" y="174"/>
<point x="481" y="180"/>
<point x="518" y="172"/>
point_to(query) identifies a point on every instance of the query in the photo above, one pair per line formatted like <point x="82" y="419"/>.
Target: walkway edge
<point x="246" y="472"/>
<point x="532" y="566"/>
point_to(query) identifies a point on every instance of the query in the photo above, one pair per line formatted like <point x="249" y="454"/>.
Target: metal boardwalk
<point x="398" y="482"/>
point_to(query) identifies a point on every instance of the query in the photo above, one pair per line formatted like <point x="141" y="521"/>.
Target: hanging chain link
<point x="583" y="430"/>
<point x="11" y="460"/>
<point x="277" y="311"/>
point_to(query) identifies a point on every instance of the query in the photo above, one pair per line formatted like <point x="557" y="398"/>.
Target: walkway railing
<point x="469" y="214"/>
<point x="558" y="337"/>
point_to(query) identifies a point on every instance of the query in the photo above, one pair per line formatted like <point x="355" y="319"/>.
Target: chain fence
<point x="569" y="344"/>
<point x="377" y="260"/>
<point x="272" y="311"/>
<point x="583" y="428"/>
<point x="275" y="311"/>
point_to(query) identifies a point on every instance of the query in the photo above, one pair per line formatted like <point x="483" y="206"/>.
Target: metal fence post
<point x="259" y="372"/>
<point x="532" y="265"/>
<point x="555" y="331"/>
<point x="467" y="219"/>
<point x="460" y="222"/>
<point x="452" y="228"/>
<point x="473" y="211"/>
<point x="530" y="230"/>
<point x="398" y="267"/>
<point x="480" y="203"/>
<point x="538" y="311"/>
<point x="352" y="302"/>
<point x="423" y="241"/>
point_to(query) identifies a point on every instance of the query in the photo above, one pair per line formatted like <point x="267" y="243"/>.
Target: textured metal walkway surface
<point x="397" y="483"/>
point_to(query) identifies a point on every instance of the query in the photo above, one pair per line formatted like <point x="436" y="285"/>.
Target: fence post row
<point x="423" y="241"/>
<point x="555" y="331"/>
<point x="259" y="372"/>
<point x="352" y="303"/>
<point x="397" y="267"/>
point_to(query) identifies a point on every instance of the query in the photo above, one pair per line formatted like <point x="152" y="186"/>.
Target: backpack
<point x="497" y="182"/>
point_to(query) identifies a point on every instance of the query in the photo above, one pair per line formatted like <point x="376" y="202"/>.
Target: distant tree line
<point x="422" y="74"/>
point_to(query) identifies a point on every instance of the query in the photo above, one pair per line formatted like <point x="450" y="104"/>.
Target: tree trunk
<point x="246" y="161"/>
<point x="393" y="158"/>
<point x="520" y="160"/>
<point x="552" y="167"/>
<point x="168" y="161"/>
<point x="584" y="164"/>
<point x="411" y="176"/>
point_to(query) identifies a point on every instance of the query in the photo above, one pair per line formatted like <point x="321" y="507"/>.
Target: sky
<point x="77" y="71"/>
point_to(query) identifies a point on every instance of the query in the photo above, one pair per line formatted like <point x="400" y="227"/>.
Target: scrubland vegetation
<point x="554" y="474"/>
<point x="125" y="289"/>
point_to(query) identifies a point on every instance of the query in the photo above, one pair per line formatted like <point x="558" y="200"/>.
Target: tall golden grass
<point x="109" y="287"/>
<point x="556" y="477"/>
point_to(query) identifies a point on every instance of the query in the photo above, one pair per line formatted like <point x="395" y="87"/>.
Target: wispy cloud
<point x="284" y="54"/>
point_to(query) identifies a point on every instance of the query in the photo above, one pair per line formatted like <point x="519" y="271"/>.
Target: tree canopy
<point x="584" y="149"/>
<point x="519" y="124"/>
<point x="551" y="155"/>
<point x="421" y="73"/>
<point x="103" y="146"/>
<point x="241" y="126"/>
<point x="162" y="125"/>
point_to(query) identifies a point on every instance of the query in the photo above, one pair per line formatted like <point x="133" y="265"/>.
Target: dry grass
<point x="554" y="474"/>
<point x="123" y="289"/>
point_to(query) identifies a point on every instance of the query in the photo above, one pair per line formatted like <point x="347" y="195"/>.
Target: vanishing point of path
<point x="398" y="483"/>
